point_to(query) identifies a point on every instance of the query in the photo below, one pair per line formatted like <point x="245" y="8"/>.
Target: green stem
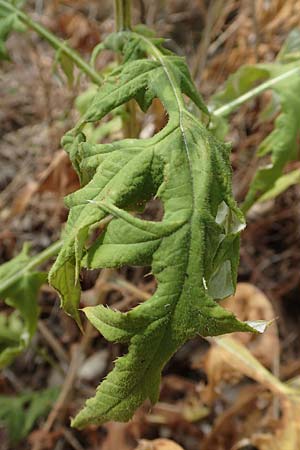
<point x="56" y="43"/>
<point x="234" y="104"/>
<point x="122" y="15"/>
<point x="33" y="263"/>
<point x="123" y="23"/>
<point x="118" y="15"/>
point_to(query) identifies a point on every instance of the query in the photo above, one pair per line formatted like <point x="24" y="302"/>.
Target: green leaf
<point x="66" y="64"/>
<point x="83" y="100"/>
<point x="95" y="134"/>
<point x="21" y="294"/>
<point x="239" y="83"/>
<point x="14" y="265"/>
<point x="282" y="184"/>
<point x="282" y="143"/>
<point x="290" y="50"/>
<point x="19" y="413"/>
<point x="6" y="26"/>
<point x="8" y="22"/>
<point x="193" y="251"/>
<point x="13" y="340"/>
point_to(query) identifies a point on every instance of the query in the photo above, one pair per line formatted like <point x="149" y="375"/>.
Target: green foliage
<point x="19" y="413"/>
<point x="66" y="65"/>
<point x="282" y="184"/>
<point x="193" y="251"/>
<point x="8" y="22"/>
<point x="19" y="292"/>
<point x="95" y="134"/>
<point x="290" y="50"/>
<point x="282" y="143"/>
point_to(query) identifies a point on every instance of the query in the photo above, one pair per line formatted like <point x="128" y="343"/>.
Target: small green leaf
<point x="8" y="22"/>
<point x="239" y="83"/>
<point x="282" y="184"/>
<point x="19" y="413"/>
<point x="21" y="294"/>
<point x="6" y="26"/>
<point x="67" y="66"/>
<point x="13" y="338"/>
<point x="290" y="50"/>
<point x="13" y="266"/>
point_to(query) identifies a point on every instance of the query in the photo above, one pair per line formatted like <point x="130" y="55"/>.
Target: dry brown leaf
<point x="117" y="437"/>
<point x="23" y="198"/>
<point x="82" y="32"/>
<point x="240" y="358"/>
<point x="59" y="178"/>
<point x="158" y="444"/>
<point x="188" y="410"/>
<point x="287" y="433"/>
<point x="227" y="426"/>
<point x="249" y="303"/>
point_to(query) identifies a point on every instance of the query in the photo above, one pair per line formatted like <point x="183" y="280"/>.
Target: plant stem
<point x="55" y="42"/>
<point x="122" y="15"/>
<point x="234" y="104"/>
<point x="123" y="23"/>
<point x="33" y="263"/>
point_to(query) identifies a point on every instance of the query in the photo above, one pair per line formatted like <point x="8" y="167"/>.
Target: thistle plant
<point x="193" y="251"/>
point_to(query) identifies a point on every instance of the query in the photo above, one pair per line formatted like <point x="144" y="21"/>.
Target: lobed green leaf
<point x="193" y="251"/>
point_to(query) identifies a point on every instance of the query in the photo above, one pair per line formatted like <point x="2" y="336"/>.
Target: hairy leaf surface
<point x="193" y="251"/>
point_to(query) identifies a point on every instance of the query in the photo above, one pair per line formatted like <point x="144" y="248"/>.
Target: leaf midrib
<point x="182" y="111"/>
<point x="169" y="313"/>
